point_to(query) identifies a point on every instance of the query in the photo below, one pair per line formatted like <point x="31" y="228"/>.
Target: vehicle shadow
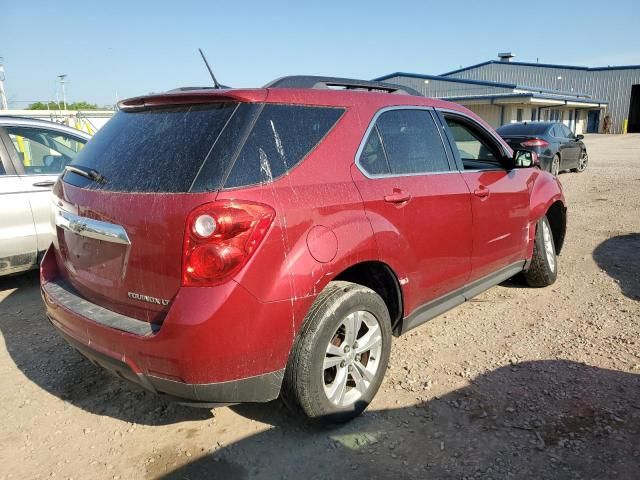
<point x="620" y="258"/>
<point x="48" y="361"/>
<point x="540" y="419"/>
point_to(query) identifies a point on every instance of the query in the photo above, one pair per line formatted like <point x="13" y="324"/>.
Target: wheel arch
<point x="379" y="277"/>
<point x="547" y="199"/>
<point x="557" y="216"/>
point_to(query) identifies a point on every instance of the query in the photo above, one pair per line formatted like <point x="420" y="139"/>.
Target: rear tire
<point x="582" y="162"/>
<point x="543" y="269"/>
<point x="554" y="168"/>
<point x="340" y="357"/>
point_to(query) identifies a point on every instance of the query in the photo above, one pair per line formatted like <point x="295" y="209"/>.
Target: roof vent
<point x="505" y="56"/>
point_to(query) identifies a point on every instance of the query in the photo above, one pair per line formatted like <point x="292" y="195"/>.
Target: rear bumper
<point x="545" y="162"/>
<point x="216" y="345"/>
<point x="261" y="388"/>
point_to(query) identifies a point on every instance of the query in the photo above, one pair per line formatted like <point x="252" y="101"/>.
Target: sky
<point x="114" y="49"/>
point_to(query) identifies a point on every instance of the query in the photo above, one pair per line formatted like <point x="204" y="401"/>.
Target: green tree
<point x="43" y="106"/>
<point x="56" y="106"/>
<point x="82" y="106"/>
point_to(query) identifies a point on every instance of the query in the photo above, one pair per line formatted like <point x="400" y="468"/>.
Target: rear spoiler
<point x="318" y="82"/>
<point x="193" y="97"/>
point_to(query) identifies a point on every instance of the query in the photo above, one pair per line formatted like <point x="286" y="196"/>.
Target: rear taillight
<point x="535" y="142"/>
<point x="220" y="237"/>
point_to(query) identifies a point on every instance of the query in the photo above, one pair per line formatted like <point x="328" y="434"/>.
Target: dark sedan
<point x="556" y="145"/>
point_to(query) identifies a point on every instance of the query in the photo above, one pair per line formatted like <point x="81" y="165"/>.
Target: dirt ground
<point x="519" y="383"/>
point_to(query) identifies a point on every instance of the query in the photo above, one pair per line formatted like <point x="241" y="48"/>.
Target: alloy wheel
<point x="582" y="163"/>
<point x="555" y="166"/>
<point x="548" y="246"/>
<point x="352" y="358"/>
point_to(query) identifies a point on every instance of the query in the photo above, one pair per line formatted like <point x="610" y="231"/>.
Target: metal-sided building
<point x="504" y="91"/>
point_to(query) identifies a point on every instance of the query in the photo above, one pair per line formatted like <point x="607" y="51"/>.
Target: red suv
<point x="223" y="246"/>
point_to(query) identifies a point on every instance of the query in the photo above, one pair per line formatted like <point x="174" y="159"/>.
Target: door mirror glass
<point x="525" y="159"/>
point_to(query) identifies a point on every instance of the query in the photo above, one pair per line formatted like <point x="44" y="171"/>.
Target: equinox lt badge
<point x="147" y="298"/>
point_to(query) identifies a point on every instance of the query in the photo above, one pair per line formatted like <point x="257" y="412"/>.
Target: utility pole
<point x="64" y="95"/>
<point x="3" y="96"/>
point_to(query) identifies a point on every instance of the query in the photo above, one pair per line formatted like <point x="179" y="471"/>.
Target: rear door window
<point x="557" y="131"/>
<point x="281" y="138"/>
<point x="566" y="131"/>
<point x="372" y="158"/>
<point x="410" y="144"/>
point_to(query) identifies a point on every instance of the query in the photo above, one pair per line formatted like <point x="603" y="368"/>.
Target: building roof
<point x="543" y="65"/>
<point x="486" y="83"/>
<point x="556" y="99"/>
<point x="445" y="79"/>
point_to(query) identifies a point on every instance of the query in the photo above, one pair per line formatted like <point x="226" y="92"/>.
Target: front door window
<point x="475" y="152"/>
<point x="44" y="152"/>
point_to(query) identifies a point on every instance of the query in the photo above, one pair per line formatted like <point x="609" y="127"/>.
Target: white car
<point x="33" y="153"/>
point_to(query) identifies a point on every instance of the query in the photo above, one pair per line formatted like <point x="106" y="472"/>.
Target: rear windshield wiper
<point x="89" y="173"/>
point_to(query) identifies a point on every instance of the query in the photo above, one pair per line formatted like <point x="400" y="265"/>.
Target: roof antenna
<point x="213" y="77"/>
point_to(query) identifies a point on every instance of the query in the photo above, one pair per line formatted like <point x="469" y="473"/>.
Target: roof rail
<point x="318" y="82"/>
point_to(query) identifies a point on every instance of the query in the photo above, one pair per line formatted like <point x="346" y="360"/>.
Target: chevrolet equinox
<point x="219" y="246"/>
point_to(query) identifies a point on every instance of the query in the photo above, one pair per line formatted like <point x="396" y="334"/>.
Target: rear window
<point x="523" y="129"/>
<point x="156" y="150"/>
<point x="202" y="148"/>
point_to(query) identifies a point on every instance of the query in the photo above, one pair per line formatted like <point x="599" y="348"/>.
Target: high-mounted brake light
<point x="535" y="142"/>
<point x="220" y="238"/>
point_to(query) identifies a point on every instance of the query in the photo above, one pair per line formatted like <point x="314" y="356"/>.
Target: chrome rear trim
<point x="88" y="227"/>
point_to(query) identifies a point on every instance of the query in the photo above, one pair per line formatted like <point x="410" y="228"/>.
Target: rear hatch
<point x="120" y="234"/>
<point x="119" y="241"/>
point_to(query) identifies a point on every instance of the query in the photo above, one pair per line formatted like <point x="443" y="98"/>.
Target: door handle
<point x="398" y="196"/>
<point x="48" y="183"/>
<point x="482" y="192"/>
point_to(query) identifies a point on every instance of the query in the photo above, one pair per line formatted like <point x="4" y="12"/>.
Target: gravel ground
<point x="519" y="383"/>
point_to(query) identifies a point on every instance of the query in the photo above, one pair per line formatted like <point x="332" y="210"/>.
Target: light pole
<point x="3" y="96"/>
<point x="64" y="95"/>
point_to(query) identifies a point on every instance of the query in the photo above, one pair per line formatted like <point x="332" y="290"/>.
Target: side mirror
<point x="579" y="137"/>
<point x="525" y="159"/>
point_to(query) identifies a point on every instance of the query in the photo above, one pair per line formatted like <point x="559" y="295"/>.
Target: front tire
<point x="543" y="269"/>
<point x="341" y="355"/>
